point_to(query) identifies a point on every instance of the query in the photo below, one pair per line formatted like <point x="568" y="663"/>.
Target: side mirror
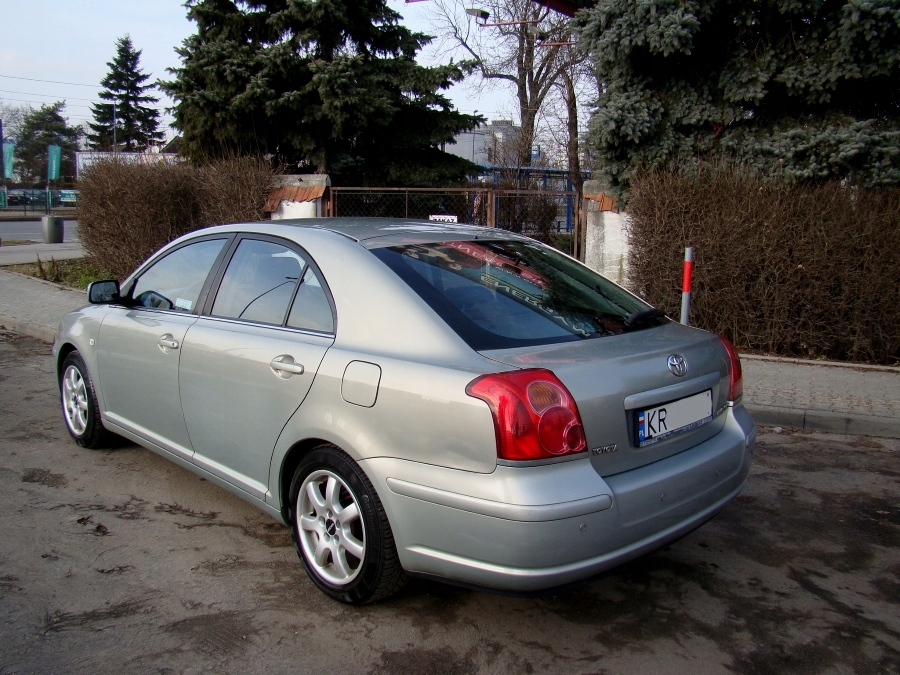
<point x="153" y="300"/>
<point x="103" y="292"/>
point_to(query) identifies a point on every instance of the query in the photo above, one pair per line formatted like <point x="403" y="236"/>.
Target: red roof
<point x="297" y="193"/>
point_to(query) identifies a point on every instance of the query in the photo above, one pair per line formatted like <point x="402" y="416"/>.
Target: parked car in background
<point x="412" y="398"/>
<point x="16" y="198"/>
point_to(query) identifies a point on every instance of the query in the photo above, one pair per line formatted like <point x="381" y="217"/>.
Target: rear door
<point x="248" y="363"/>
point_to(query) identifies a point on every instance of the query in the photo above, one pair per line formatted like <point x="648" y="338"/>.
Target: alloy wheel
<point x="331" y="529"/>
<point x="75" y="400"/>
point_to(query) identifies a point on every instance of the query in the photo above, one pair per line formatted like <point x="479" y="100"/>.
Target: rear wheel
<point x="79" y="404"/>
<point x="341" y="532"/>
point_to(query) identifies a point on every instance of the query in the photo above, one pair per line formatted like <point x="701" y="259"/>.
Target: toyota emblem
<point x="677" y="365"/>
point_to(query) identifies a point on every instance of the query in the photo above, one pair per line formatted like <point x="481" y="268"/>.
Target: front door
<point x="139" y="346"/>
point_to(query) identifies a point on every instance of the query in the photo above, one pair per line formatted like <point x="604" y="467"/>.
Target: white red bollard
<point x="686" y="285"/>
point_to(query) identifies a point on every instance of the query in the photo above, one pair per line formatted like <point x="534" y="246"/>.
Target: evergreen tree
<point x="807" y="90"/>
<point x="128" y="103"/>
<point x="324" y="85"/>
<point x="40" y="128"/>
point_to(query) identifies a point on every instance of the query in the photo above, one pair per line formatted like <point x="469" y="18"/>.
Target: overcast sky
<point x="71" y="41"/>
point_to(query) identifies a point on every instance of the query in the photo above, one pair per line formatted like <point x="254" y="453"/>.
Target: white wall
<point x="606" y="247"/>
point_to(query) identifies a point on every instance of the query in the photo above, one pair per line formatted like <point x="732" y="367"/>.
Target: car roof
<point x="375" y="232"/>
<point x="363" y="229"/>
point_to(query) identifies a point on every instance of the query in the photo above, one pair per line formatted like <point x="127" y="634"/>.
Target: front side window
<point x="259" y="282"/>
<point x="503" y="294"/>
<point x="175" y="281"/>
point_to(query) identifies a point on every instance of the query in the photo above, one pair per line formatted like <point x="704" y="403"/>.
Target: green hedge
<point x="786" y="269"/>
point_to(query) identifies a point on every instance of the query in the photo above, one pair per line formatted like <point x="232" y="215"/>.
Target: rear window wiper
<point x="643" y="315"/>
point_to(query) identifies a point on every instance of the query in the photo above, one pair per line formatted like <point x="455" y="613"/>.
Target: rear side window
<point x="259" y="282"/>
<point x="311" y="309"/>
<point x="503" y="294"/>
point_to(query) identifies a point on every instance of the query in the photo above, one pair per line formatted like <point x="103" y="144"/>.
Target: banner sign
<point x="9" y="149"/>
<point x="54" y="157"/>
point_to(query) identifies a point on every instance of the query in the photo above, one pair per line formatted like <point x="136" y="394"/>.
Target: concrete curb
<point x="874" y="384"/>
<point x="763" y="415"/>
<point x="861" y="367"/>
<point x="26" y="328"/>
<point x="822" y="420"/>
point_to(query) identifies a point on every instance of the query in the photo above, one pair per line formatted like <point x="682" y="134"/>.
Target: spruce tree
<point x="127" y="102"/>
<point x="40" y="128"/>
<point x="805" y="90"/>
<point x="323" y="85"/>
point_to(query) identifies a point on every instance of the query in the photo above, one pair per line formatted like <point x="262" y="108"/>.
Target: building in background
<point x="488" y="145"/>
<point x="151" y="156"/>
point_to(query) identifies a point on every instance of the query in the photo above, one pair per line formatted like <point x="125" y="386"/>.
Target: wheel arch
<point x="64" y="350"/>
<point x="289" y="464"/>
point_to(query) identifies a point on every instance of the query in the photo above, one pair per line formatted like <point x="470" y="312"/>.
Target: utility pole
<point x="115" y="147"/>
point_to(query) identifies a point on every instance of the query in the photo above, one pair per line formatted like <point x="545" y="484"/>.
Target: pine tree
<point x="324" y="85"/>
<point x="40" y="128"/>
<point x="805" y="90"/>
<point x="128" y="105"/>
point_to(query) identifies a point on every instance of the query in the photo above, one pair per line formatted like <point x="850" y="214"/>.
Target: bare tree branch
<point x="509" y="52"/>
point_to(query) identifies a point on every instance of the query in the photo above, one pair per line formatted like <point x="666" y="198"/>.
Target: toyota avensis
<point x="413" y="398"/>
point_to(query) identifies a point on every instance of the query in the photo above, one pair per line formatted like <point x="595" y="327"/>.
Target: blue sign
<point x="9" y="149"/>
<point x="54" y="157"/>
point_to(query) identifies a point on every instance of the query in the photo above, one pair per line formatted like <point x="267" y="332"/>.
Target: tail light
<point x="535" y="416"/>
<point x="736" y="385"/>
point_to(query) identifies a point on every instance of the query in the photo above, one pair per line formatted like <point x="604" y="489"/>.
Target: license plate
<point x="674" y="417"/>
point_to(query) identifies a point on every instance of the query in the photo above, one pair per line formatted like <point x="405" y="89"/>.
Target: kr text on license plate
<point x="655" y="424"/>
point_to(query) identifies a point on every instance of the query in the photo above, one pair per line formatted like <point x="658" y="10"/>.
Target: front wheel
<point x="79" y="404"/>
<point x="341" y="532"/>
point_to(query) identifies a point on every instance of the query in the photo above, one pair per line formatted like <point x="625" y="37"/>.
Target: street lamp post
<point x="473" y="138"/>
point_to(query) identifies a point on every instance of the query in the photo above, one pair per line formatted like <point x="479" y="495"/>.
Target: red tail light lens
<point x="736" y="387"/>
<point x="535" y="416"/>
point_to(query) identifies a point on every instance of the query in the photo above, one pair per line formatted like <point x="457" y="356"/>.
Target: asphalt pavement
<point x="120" y="561"/>
<point x="30" y="230"/>
<point x="23" y="230"/>
<point x="816" y="395"/>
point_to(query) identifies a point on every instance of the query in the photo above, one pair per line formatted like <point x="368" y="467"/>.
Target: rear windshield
<point x="503" y="294"/>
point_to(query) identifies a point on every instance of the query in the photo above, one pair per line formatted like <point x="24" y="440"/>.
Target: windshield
<point x="502" y="294"/>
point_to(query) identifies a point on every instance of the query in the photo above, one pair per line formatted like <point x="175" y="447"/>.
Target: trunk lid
<point x="613" y="379"/>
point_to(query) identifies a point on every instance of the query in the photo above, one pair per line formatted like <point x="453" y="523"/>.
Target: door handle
<point x="284" y="366"/>
<point x="167" y="342"/>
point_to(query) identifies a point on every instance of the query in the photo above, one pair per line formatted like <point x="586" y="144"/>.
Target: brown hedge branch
<point x="796" y="270"/>
<point x="128" y="211"/>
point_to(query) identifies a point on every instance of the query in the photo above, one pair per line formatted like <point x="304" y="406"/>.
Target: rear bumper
<point x="527" y="529"/>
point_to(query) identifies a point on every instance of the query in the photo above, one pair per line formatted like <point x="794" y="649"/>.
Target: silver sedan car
<point x="412" y="398"/>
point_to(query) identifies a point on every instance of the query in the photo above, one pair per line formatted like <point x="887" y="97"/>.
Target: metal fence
<point x="37" y="200"/>
<point x="533" y="212"/>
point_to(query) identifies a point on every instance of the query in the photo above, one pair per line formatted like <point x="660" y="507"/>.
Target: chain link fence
<point x="533" y="212"/>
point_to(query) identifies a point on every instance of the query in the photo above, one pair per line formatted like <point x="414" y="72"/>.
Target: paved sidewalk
<point x="33" y="307"/>
<point x="823" y="395"/>
<point x="815" y="395"/>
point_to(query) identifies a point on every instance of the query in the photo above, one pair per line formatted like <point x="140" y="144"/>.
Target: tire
<point x="340" y="530"/>
<point x="79" y="404"/>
